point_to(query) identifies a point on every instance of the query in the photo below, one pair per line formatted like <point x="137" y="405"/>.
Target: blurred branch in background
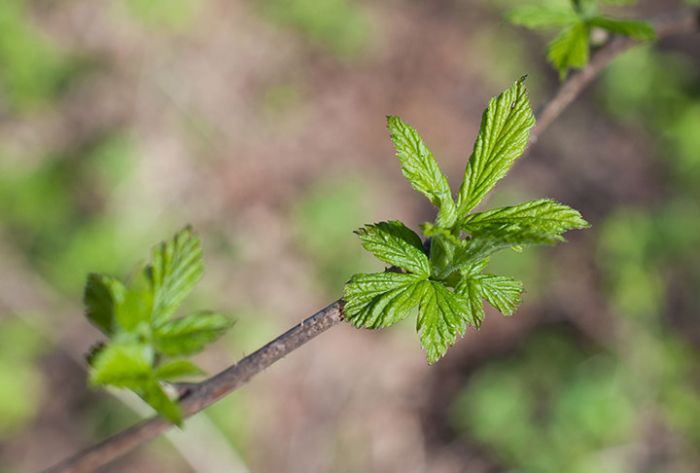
<point x="209" y="391"/>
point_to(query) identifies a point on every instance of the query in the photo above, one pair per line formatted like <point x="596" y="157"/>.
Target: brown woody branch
<point x="196" y="397"/>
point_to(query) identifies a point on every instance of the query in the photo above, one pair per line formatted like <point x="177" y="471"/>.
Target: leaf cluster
<point x="570" y="49"/>
<point x="147" y="344"/>
<point x="445" y="279"/>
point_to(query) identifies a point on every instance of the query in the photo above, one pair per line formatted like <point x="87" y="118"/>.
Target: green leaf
<point x="124" y="365"/>
<point x="489" y="240"/>
<point x="503" y="136"/>
<point x="135" y="311"/>
<point x="640" y="30"/>
<point x="502" y="292"/>
<point x="540" y="16"/>
<point x="189" y="335"/>
<point x="471" y="290"/>
<point x="474" y="268"/>
<point x="153" y="394"/>
<point x="543" y="215"/>
<point x="396" y="244"/>
<point x="442" y="315"/>
<point x="421" y="170"/>
<point x="175" y="268"/>
<point x="177" y="369"/>
<point x="381" y="299"/>
<point x="569" y="49"/>
<point x="92" y="353"/>
<point x="102" y="295"/>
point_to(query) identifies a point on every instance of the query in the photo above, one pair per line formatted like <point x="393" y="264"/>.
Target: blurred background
<point x="261" y="122"/>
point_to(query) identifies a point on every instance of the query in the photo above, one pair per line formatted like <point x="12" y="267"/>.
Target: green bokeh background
<point x="261" y="122"/>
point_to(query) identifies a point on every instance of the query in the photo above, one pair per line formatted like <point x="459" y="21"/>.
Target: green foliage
<point x="421" y="170"/>
<point x="570" y="48"/>
<point x="189" y="335"/>
<point x="545" y="215"/>
<point x="138" y="319"/>
<point x="396" y="244"/>
<point x="542" y="16"/>
<point x="640" y="30"/>
<point x="446" y="284"/>
<point x="502" y="138"/>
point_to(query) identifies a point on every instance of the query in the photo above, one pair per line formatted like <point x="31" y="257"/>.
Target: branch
<point x="205" y="393"/>
<point x="684" y="21"/>
<point x="196" y="397"/>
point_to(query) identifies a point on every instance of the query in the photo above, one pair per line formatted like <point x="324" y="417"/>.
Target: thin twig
<point x="684" y="21"/>
<point x="202" y="395"/>
<point x="205" y="394"/>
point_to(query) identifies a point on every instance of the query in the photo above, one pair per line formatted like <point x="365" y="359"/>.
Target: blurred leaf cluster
<point x="138" y="319"/>
<point x="570" y="48"/>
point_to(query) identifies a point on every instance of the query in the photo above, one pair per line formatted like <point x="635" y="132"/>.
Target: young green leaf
<point x="396" y="244"/>
<point x="491" y="239"/>
<point x="471" y="290"/>
<point x="124" y="365"/>
<point x="101" y="296"/>
<point x="381" y="299"/>
<point x="542" y="16"/>
<point x="175" y="268"/>
<point x="134" y="313"/>
<point x="153" y="394"/>
<point x="635" y="29"/>
<point x="177" y="369"/>
<point x="189" y="335"/>
<point x="543" y="215"/>
<point x="137" y="319"/>
<point x="421" y="170"/>
<point x="442" y="315"/>
<point x="569" y="50"/>
<point x="502" y="292"/>
<point x="474" y="268"/>
<point x="503" y="136"/>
